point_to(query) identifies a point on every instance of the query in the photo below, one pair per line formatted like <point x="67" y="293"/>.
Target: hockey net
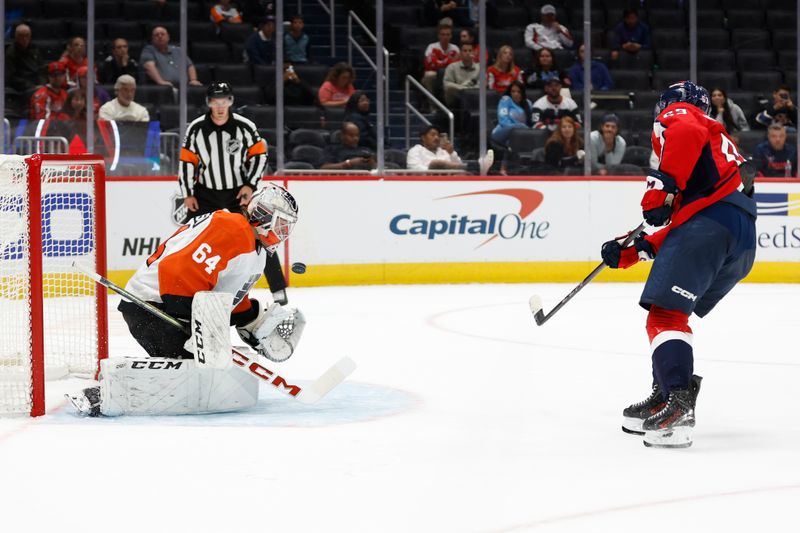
<point x="52" y="318"/>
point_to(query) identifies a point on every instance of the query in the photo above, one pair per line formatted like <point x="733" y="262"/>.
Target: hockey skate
<point x="86" y="402"/>
<point x="634" y="415"/>
<point x="672" y="426"/>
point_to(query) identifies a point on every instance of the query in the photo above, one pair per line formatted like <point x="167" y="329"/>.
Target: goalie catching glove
<point x="615" y="256"/>
<point x="657" y="201"/>
<point x="275" y="332"/>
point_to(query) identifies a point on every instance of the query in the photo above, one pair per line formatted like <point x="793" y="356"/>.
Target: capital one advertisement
<point x="433" y="221"/>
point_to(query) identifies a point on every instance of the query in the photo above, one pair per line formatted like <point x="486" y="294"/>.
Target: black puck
<point x="299" y="268"/>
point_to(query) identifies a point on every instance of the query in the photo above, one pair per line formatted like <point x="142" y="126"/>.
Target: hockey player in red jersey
<point x="707" y="245"/>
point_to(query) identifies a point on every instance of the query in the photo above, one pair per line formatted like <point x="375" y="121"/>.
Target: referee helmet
<point x="219" y="89"/>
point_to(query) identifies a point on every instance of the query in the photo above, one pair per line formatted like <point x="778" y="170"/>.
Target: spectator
<point x="543" y="68"/>
<point x="630" y="35"/>
<point x="548" y="33"/>
<point x="473" y="7"/>
<point x="563" y="148"/>
<point x="48" y="101"/>
<point x="338" y="86"/>
<point x="23" y="61"/>
<point x="101" y="96"/>
<point x="468" y="36"/>
<point x="295" y="90"/>
<point x="460" y="75"/>
<point x="160" y="60"/>
<point x="514" y="111"/>
<point x="348" y="155"/>
<point x="727" y="113"/>
<point x="75" y="106"/>
<point x="782" y="110"/>
<point x="73" y="58"/>
<point x="123" y="108"/>
<point x="118" y="63"/>
<point x="224" y="11"/>
<point x="437" y="56"/>
<point x="774" y="157"/>
<point x="296" y="43"/>
<point x="447" y="11"/>
<point x="432" y="153"/>
<point x="553" y="106"/>
<point x="607" y="145"/>
<point x="504" y="71"/>
<point x="357" y="112"/>
<point x="259" y="49"/>
<point x="601" y="78"/>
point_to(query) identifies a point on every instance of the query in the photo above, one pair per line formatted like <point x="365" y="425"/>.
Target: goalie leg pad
<point x="159" y="386"/>
<point x="211" y="339"/>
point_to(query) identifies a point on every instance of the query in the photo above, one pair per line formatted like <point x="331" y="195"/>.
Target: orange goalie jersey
<point x="213" y="252"/>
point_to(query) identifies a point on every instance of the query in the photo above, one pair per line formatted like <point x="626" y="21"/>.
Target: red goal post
<point x="53" y="320"/>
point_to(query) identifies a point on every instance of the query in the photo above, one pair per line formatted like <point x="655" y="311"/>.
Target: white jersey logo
<point x="683" y="292"/>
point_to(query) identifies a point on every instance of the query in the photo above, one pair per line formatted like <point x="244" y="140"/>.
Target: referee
<point x="222" y="160"/>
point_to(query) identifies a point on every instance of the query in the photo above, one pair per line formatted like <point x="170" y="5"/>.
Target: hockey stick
<point x="252" y="363"/>
<point x="535" y="301"/>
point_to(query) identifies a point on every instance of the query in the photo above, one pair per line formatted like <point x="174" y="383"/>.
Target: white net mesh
<point x="70" y="323"/>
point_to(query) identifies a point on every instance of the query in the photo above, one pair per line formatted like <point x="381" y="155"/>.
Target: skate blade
<point x="632" y="426"/>
<point x="632" y="431"/>
<point x="680" y="437"/>
<point x="80" y="404"/>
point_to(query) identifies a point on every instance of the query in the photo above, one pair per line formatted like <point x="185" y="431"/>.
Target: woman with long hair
<point x="513" y="112"/>
<point x="504" y="71"/>
<point x="543" y="69"/>
<point x="727" y="113"/>
<point x="338" y="86"/>
<point x="564" y="147"/>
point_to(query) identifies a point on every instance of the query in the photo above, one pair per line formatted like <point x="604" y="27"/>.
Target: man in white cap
<point x="548" y="33"/>
<point x="123" y="107"/>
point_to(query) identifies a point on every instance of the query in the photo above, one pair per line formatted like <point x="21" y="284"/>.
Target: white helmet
<point x="272" y="211"/>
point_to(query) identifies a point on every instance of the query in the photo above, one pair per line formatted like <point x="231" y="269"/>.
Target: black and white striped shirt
<point x="221" y="157"/>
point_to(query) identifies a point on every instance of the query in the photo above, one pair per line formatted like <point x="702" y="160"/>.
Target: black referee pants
<point x="210" y="200"/>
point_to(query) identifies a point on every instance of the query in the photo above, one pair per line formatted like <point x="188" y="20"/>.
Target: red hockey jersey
<point x="698" y="153"/>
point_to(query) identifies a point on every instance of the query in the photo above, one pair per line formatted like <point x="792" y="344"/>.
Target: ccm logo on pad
<point x="684" y="293"/>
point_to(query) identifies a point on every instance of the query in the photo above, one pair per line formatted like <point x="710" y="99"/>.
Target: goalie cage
<point x="53" y="320"/>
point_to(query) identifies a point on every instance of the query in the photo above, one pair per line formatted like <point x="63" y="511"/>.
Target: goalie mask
<point x="272" y="211"/>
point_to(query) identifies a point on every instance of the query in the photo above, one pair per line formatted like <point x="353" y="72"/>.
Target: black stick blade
<point x="536" y="308"/>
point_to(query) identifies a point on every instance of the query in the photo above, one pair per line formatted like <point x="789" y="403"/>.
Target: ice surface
<point x="462" y="416"/>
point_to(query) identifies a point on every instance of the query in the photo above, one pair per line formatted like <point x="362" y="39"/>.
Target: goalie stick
<point x="252" y="363"/>
<point x="535" y="301"/>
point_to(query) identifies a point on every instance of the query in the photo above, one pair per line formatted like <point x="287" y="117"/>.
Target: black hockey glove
<point x="615" y="256"/>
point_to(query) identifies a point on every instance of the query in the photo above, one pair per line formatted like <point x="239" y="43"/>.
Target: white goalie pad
<point x="159" y="386"/>
<point x="211" y="331"/>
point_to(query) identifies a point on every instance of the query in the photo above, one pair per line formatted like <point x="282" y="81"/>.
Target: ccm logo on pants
<point x="684" y="293"/>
